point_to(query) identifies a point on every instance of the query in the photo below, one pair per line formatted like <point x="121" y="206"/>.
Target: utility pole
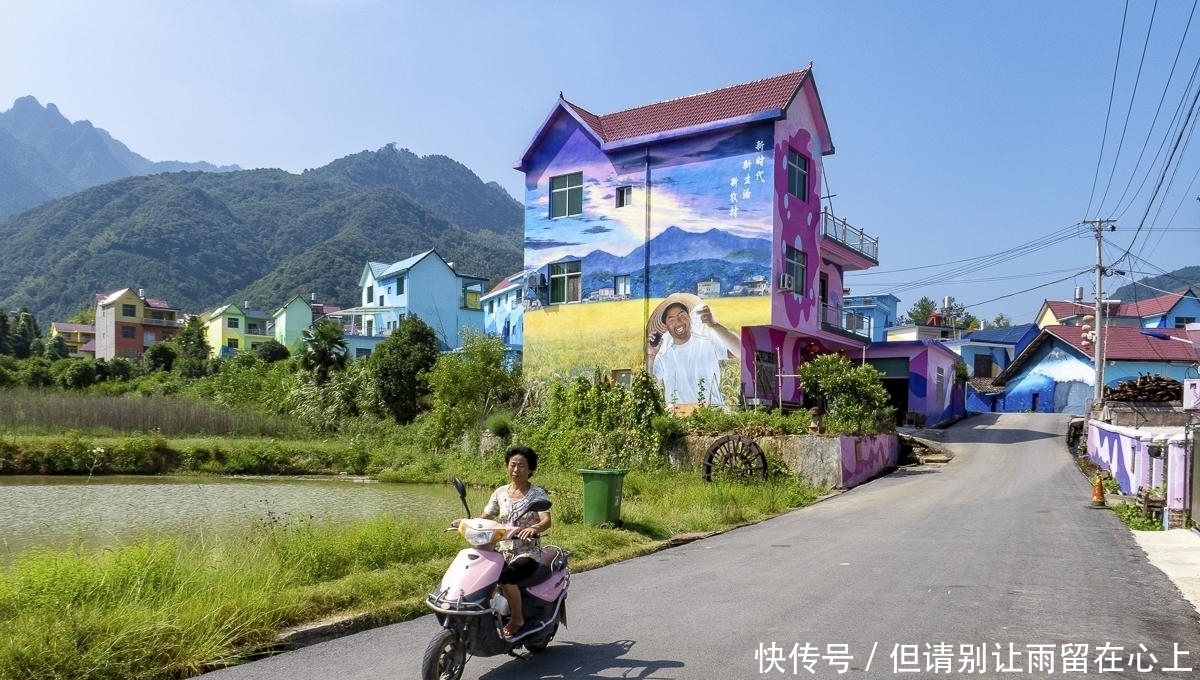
<point x="1099" y="227"/>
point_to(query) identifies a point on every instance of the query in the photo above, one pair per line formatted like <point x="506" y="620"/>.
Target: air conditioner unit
<point x="1191" y="394"/>
<point x="786" y="283"/>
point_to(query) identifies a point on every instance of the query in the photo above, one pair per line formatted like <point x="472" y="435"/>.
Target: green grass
<point x="161" y="608"/>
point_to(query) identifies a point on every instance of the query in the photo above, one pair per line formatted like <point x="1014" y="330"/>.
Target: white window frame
<point x="566" y="195"/>
<point x="566" y="282"/>
<point x="795" y="264"/>
<point x="797" y="171"/>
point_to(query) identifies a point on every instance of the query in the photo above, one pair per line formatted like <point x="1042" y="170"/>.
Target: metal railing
<point x="836" y="317"/>
<point x="840" y="230"/>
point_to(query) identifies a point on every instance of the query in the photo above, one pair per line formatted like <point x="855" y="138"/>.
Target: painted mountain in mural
<point x="680" y="260"/>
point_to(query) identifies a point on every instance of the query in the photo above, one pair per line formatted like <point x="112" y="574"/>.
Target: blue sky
<point x="970" y="136"/>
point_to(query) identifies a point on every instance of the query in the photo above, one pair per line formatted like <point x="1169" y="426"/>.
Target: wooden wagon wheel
<point x="735" y="456"/>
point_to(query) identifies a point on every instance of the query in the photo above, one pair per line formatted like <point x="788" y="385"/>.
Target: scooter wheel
<point x="445" y="657"/>
<point x="543" y="640"/>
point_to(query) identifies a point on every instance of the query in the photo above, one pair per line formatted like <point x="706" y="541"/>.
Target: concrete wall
<point x="840" y="462"/>
<point x="1125" y="453"/>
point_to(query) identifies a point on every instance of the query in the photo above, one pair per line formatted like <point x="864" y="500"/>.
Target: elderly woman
<point x="523" y="551"/>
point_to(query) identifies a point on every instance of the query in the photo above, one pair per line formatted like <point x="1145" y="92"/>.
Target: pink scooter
<point x="472" y="612"/>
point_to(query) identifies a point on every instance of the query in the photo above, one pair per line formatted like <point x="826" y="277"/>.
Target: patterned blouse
<point x="501" y="507"/>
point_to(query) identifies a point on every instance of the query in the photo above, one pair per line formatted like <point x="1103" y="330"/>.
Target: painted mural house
<point x="686" y="238"/>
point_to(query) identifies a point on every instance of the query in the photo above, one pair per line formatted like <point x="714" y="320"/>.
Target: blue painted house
<point x="503" y="311"/>
<point x="987" y="352"/>
<point x="1054" y="373"/>
<point x="871" y="315"/>
<point x="423" y="285"/>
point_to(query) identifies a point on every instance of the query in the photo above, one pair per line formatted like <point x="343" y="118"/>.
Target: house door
<point x="895" y="381"/>
<point x="983" y="366"/>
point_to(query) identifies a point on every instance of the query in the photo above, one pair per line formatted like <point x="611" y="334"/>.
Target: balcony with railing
<point x="862" y="248"/>
<point x="840" y="320"/>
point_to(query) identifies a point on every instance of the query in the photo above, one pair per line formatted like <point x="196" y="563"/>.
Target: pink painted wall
<point x="866" y="457"/>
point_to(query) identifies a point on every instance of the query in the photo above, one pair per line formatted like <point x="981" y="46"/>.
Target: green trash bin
<point x="602" y="496"/>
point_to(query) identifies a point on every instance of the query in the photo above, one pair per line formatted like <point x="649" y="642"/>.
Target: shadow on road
<point x="979" y="429"/>
<point x="577" y="660"/>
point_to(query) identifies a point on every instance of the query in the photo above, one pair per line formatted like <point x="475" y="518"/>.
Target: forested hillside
<point x="201" y="239"/>
<point x="1171" y="282"/>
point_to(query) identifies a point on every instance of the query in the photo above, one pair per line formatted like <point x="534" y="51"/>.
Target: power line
<point x="1129" y="110"/>
<point x="1111" y="93"/>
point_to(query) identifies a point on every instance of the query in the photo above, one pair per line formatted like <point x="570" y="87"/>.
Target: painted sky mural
<point x="709" y="238"/>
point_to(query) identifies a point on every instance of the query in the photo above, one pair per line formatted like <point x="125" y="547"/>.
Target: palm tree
<point x="324" y="350"/>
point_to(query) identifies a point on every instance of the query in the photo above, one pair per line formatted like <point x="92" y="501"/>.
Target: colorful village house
<point x="686" y="238"/>
<point x="127" y="322"/>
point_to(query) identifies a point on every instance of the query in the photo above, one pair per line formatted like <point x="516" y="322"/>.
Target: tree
<point x="469" y="384"/>
<point x="1002" y="321"/>
<point x="56" y="348"/>
<point x="919" y="313"/>
<point x="853" y="395"/>
<point x="957" y="316"/>
<point x="401" y="365"/>
<point x="23" y="333"/>
<point x="5" y="335"/>
<point x="192" y="349"/>
<point x="272" y="351"/>
<point x="160" y="356"/>
<point x="323" y="350"/>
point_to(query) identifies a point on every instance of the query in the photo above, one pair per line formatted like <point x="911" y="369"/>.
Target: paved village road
<point x="990" y="554"/>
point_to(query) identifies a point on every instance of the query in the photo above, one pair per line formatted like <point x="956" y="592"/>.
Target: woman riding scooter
<point x="524" y="550"/>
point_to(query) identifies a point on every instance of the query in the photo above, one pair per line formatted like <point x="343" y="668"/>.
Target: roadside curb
<point x="309" y="634"/>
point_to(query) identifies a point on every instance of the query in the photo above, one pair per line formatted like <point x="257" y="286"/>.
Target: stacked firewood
<point x="1146" y="388"/>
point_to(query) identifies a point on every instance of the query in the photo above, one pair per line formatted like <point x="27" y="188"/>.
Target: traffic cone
<point x="1098" y="493"/>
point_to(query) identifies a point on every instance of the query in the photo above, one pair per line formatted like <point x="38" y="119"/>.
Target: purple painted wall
<point x="865" y="457"/>
<point x="931" y="388"/>
<point x="1125" y="453"/>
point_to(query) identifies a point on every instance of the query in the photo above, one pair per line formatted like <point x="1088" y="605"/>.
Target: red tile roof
<point x="1129" y="344"/>
<point x="707" y="107"/>
<point x="1152" y="307"/>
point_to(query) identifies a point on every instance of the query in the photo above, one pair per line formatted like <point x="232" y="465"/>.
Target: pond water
<point x="102" y="511"/>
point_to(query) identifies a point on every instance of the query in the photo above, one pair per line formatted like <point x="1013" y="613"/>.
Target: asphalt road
<point x="993" y="561"/>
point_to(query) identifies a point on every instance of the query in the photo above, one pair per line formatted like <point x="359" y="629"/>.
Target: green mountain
<point x="201" y="239"/>
<point x="1171" y="282"/>
<point x="44" y="156"/>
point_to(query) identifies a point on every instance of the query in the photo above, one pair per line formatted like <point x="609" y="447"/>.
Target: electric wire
<point x="1158" y="110"/>
<point x="1129" y="110"/>
<point x="1111" y="94"/>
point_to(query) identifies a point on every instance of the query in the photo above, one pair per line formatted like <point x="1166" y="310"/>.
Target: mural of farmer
<point x="685" y="347"/>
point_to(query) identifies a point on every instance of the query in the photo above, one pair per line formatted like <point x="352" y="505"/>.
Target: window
<point x="362" y="352"/>
<point x="796" y="265"/>
<point x="1183" y="321"/>
<point x="565" y="282"/>
<point x="380" y="300"/>
<point x="370" y="294"/>
<point x="129" y="310"/>
<point x="621" y="286"/>
<point x="232" y="343"/>
<point x="797" y="169"/>
<point x="400" y="286"/>
<point x="156" y="314"/>
<point x="233" y="322"/>
<point x="624" y="196"/>
<point x="566" y="195"/>
<point x="128" y="331"/>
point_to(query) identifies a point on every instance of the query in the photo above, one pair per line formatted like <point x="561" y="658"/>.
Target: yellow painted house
<point x="231" y="329"/>
<point x="80" y="338"/>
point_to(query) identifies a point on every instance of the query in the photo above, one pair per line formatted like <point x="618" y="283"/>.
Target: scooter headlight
<point x="478" y="535"/>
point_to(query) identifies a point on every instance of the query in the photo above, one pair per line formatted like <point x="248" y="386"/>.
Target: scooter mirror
<point x="462" y="494"/>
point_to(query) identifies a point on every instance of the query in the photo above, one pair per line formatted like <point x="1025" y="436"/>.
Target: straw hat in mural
<point x="656" y="325"/>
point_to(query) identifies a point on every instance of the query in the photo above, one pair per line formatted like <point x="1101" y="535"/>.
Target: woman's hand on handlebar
<point x="528" y="533"/>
